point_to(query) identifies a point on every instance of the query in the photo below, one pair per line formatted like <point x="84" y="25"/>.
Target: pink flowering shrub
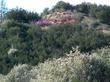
<point x="43" y="22"/>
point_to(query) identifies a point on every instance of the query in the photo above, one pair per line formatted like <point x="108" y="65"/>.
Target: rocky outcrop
<point x="62" y="17"/>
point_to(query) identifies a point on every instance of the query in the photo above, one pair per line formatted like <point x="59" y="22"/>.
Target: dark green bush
<point x="35" y="44"/>
<point x="21" y="15"/>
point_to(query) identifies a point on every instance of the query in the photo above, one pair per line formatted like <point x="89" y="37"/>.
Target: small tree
<point x="45" y="12"/>
<point x="21" y="15"/>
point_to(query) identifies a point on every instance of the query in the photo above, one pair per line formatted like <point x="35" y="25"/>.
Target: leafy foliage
<point x="35" y="44"/>
<point x="100" y="12"/>
<point x="62" y="6"/>
<point x="74" y="67"/>
<point x="21" y="15"/>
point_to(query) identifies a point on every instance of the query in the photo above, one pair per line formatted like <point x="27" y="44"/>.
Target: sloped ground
<point x="75" y="67"/>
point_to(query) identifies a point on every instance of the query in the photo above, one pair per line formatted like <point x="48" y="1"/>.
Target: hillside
<point x="74" y="67"/>
<point x="34" y="47"/>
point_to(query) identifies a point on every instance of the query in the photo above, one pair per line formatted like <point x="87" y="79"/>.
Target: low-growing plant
<point x="75" y="67"/>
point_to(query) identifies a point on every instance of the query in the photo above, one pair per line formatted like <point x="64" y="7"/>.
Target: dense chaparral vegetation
<point x="74" y="67"/>
<point x="32" y="52"/>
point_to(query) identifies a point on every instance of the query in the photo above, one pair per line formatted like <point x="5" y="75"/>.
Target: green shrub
<point x="35" y="44"/>
<point x="74" y="67"/>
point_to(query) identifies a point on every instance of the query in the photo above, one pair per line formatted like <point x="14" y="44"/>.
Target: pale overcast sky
<point x="39" y="5"/>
